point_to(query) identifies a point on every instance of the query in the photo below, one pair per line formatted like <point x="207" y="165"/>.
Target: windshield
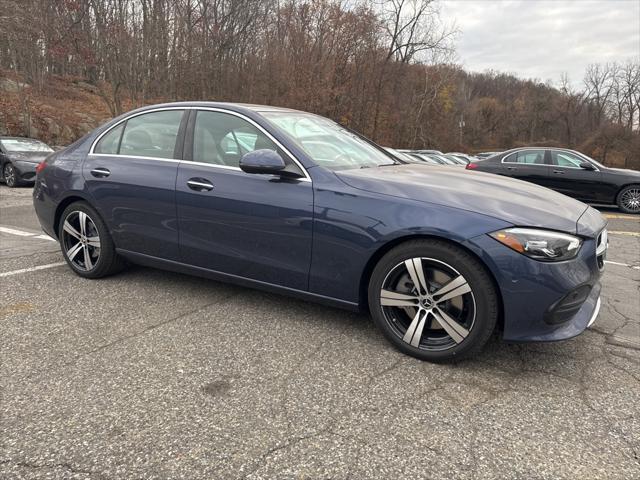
<point x="327" y="143"/>
<point x="456" y="159"/>
<point x="428" y="159"/>
<point x="24" y="145"/>
<point x="401" y="155"/>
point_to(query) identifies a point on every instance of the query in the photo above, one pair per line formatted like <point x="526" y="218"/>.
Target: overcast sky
<point x="543" y="38"/>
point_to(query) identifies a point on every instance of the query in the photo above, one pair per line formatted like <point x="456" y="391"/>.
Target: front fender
<point x="351" y="225"/>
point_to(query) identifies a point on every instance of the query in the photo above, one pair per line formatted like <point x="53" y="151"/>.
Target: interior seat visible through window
<point x="152" y="134"/>
<point x="222" y="139"/>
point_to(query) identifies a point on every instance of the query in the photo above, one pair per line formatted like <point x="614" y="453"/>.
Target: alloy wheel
<point x="631" y="199"/>
<point x="10" y="175"/>
<point x="81" y="240"/>
<point x="428" y="304"/>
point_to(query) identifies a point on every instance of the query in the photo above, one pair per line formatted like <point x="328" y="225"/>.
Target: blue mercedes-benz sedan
<point x="292" y="202"/>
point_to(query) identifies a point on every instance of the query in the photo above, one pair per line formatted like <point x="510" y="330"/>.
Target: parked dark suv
<point x="569" y="172"/>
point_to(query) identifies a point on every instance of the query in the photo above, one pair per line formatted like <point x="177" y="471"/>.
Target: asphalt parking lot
<point x="150" y="374"/>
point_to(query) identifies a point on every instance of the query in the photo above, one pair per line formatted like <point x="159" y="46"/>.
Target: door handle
<point x="100" y="172"/>
<point x="199" y="184"/>
<point x="559" y="172"/>
<point x="512" y="168"/>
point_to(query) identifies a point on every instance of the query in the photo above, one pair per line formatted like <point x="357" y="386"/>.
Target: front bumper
<point x="530" y="290"/>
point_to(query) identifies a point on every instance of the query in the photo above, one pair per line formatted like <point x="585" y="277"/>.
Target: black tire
<point x="628" y="200"/>
<point x="434" y="343"/>
<point x="10" y="176"/>
<point x="103" y="263"/>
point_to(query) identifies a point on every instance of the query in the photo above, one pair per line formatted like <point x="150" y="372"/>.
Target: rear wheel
<point x="629" y="199"/>
<point x="86" y="243"/>
<point x="434" y="301"/>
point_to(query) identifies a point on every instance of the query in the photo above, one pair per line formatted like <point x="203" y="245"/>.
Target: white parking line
<point x="622" y="264"/>
<point x="46" y="237"/>
<point x="32" y="269"/>
<point x="22" y="233"/>
<point x="12" y="231"/>
<point x="630" y="234"/>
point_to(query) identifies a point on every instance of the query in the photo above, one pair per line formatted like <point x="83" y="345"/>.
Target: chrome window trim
<point x="572" y="168"/>
<point x="115" y="155"/>
<point x="213" y="165"/>
<point x="306" y="178"/>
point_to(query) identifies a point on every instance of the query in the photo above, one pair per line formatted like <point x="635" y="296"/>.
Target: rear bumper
<point x="45" y="208"/>
<point x="531" y="291"/>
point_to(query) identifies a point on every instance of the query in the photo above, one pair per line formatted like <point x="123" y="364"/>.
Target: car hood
<point x="33" y="157"/>
<point x="514" y="201"/>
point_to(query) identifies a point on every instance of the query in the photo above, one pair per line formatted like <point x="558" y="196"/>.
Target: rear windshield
<point x="24" y="145"/>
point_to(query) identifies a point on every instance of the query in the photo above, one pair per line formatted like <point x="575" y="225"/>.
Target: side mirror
<point x="262" y="161"/>
<point x="587" y="166"/>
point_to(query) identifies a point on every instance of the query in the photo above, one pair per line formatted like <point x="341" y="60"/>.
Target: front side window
<point x="527" y="157"/>
<point x="110" y="143"/>
<point x="565" y="159"/>
<point x="222" y="139"/>
<point x="151" y="134"/>
<point x="328" y="144"/>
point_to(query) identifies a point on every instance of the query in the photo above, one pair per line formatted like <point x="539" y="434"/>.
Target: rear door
<point x="131" y="175"/>
<point x="569" y="178"/>
<point x="529" y="165"/>
<point x="250" y="225"/>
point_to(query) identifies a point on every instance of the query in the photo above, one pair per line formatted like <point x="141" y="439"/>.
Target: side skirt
<point x="171" y="265"/>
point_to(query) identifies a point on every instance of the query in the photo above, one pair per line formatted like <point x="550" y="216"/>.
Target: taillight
<point x="40" y="166"/>
<point x="471" y="166"/>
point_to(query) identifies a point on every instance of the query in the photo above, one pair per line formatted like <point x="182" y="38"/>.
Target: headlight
<point x="543" y="245"/>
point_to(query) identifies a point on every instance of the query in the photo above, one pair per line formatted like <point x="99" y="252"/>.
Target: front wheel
<point x="86" y="243"/>
<point x="10" y="175"/>
<point x="629" y="199"/>
<point x="433" y="300"/>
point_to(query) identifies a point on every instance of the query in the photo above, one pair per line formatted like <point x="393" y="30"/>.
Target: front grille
<point x="602" y="244"/>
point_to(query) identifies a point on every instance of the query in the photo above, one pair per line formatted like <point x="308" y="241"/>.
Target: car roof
<point x="226" y="105"/>
<point x="517" y="149"/>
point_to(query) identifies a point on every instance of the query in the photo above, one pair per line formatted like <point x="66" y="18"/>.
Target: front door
<point x="131" y="176"/>
<point x="250" y="225"/>
<point x="568" y="177"/>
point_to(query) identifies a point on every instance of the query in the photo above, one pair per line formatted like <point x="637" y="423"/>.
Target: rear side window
<point x="151" y="134"/>
<point x="110" y="143"/>
<point x="565" y="159"/>
<point x="528" y="157"/>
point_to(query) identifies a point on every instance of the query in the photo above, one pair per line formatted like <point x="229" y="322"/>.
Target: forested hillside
<point x="381" y="68"/>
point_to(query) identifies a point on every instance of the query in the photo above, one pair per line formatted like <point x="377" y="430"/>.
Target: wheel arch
<point x="622" y="187"/>
<point x="62" y="205"/>
<point x="383" y="249"/>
